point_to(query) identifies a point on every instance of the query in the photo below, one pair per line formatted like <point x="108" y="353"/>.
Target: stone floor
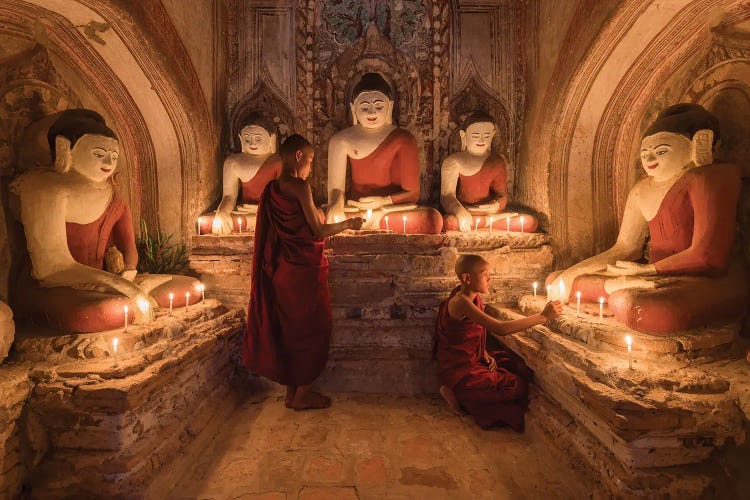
<point x="368" y="447"/>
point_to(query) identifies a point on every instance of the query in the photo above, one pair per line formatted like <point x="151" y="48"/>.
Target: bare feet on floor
<point x="450" y="398"/>
<point x="310" y="400"/>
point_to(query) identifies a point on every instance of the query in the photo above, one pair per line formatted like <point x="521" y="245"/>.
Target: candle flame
<point x="628" y="340"/>
<point x="601" y="300"/>
<point x="404" y="218"/>
<point x="114" y="343"/>
<point x="171" y="296"/>
<point x="535" y="285"/>
<point x="125" y="309"/>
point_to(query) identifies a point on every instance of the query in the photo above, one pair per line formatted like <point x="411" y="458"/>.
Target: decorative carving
<point x="347" y="20"/>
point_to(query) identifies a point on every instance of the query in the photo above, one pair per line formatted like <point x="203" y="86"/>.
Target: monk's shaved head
<point x="467" y="264"/>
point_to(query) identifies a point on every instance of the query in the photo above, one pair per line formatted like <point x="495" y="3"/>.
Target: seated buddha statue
<point x="686" y="205"/>
<point x="473" y="183"/>
<point x="79" y="233"/>
<point x="246" y="172"/>
<point x="384" y="166"/>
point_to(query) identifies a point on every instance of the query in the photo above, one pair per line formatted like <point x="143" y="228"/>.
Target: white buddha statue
<point x="383" y="162"/>
<point x="247" y="172"/>
<point x="473" y="182"/>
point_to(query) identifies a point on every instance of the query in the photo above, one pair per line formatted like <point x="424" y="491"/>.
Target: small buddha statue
<point x="247" y="172"/>
<point x="473" y="185"/>
<point x="7" y="330"/>
<point x="384" y="166"/>
<point x="686" y="205"/>
<point x="73" y="217"/>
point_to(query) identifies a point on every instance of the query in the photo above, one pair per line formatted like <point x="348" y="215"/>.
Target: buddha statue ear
<point x="462" y="135"/>
<point x="389" y="115"/>
<point x="63" y="156"/>
<point x="703" y="141"/>
<point x="354" y="115"/>
<point x="272" y="149"/>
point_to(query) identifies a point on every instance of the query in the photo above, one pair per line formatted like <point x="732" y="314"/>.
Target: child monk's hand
<point x="552" y="310"/>
<point x="355" y="222"/>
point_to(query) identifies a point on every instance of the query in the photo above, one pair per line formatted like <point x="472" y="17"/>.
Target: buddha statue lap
<point x="473" y="186"/>
<point x="77" y="224"/>
<point x="687" y="206"/>
<point x="246" y="172"/>
<point x="384" y="162"/>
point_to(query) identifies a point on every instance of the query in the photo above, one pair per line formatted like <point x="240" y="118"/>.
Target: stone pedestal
<point x="101" y="429"/>
<point x="15" y="388"/>
<point x="641" y="429"/>
<point x="385" y="292"/>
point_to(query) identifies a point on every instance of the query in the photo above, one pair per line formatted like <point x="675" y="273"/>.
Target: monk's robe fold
<point x="492" y="398"/>
<point x="289" y="324"/>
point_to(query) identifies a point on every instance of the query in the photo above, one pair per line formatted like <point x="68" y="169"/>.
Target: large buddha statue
<point x="79" y="234"/>
<point x="473" y="185"/>
<point x="692" y="275"/>
<point x="247" y="172"/>
<point x="384" y="163"/>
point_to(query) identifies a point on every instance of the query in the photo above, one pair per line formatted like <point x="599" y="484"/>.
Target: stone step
<point x="655" y="415"/>
<point x="607" y="335"/>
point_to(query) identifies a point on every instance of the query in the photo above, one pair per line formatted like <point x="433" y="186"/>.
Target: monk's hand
<point x="222" y="224"/>
<point x="552" y="309"/>
<point x="464" y="220"/>
<point x="371" y="202"/>
<point x="491" y="362"/>
<point x="628" y="268"/>
<point x="355" y="222"/>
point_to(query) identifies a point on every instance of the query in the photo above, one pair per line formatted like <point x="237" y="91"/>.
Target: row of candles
<point x="145" y="308"/>
<point x="522" y="220"/>
<point x="628" y="338"/>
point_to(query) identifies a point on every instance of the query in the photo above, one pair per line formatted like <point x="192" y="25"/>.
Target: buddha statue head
<point x="258" y="135"/>
<point x="81" y="142"/>
<point x="372" y="102"/>
<point x="682" y="135"/>
<point x="476" y="133"/>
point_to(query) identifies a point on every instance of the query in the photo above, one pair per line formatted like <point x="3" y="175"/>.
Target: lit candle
<point x="200" y="219"/>
<point x="522" y="223"/>
<point x="143" y="305"/>
<point x="239" y="221"/>
<point x="125" y="310"/>
<point x="578" y="299"/>
<point x="492" y="219"/>
<point x="369" y="214"/>
<point x="187" y="301"/>
<point x="562" y="289"/>
<point x="404" y="219"/>
<point x="535" y="285"/>
<point x="202" y="289"/>
<point x="629" y="342"/>
<point x="386" y="224"/>
<point x="601" y="307"/>
<point x="171" y="301"/>
<point x="507" y="224"/>
<point x="476" y="225"/>
<point x="114" y="347"/>
<point x="549" y="289"/>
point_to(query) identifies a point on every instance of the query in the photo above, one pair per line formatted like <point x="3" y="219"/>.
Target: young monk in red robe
<point x="491" y="386"/>
<point x="289" y="317"/>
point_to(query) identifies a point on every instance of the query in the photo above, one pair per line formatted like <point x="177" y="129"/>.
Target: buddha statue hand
<point x="129" y="274"/>
<point x="629" y="268"/>
<point x="222" y="224"/>
<point x="488" y="208"/>
<point x="248" y="208"/>
<point x="370" y="202"/>
<point x="335" y="214"/>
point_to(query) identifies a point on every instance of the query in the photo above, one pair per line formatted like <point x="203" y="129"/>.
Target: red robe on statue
<point x="289" y="324"/>
<point x="493" y="398"/>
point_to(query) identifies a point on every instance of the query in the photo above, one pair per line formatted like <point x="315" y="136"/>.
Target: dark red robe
<point x="493" y="398"/>
<point x="289" y="324"/>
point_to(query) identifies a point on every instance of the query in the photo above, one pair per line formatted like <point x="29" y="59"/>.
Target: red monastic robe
<point x="268" y="171"/>
<point x="289" y="324"/>
<point x="493" y="398"/>
<point x="488" y="184"/>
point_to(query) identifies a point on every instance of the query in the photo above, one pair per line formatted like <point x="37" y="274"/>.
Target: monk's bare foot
<point x="290" y="392"/>
<point x="310" y="401"/>
<point x="450" y="398"/>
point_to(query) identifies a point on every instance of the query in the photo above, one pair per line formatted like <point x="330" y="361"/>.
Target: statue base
<point x="640" y="421"/>
<point x="102" y="429"/>
<point x="385" y="292"/>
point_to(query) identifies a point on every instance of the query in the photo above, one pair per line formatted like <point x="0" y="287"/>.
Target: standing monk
<point x="491" y="386"/>
<point x="289" y="318"/>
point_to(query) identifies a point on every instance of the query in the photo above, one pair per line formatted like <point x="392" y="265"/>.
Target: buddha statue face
<point x="95" y="157"/>
<point x="372" y="109"/>
<point x="256" y="140"/>
<point x="664" y="154"/>
<point x="477" y="138"/>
